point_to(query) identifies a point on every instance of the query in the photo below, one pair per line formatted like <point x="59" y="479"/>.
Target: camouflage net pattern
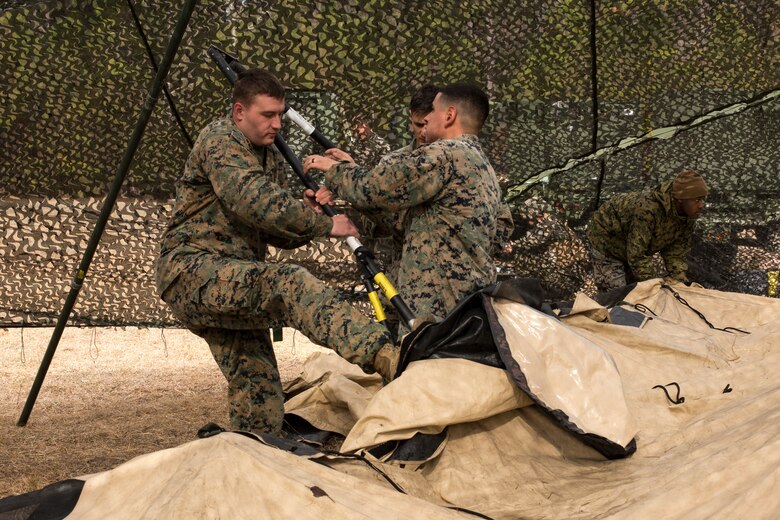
<point x="571" y="83"/>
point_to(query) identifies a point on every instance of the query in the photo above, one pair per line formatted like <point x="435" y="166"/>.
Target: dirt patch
<point x="110" y="394"/>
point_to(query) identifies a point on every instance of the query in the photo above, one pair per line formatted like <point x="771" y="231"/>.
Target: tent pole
<point x="108" y="206"/>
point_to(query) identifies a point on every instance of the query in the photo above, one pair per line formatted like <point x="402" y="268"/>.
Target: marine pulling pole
<point x="108" y="205"/>
<point x="231" y="67"/>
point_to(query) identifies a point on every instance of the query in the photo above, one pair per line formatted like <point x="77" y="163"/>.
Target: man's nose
<point x="276" y="123"/>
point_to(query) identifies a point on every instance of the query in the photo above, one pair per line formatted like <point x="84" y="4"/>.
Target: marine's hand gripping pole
<point x="362" y="253"/>
<point x="230" y="66"/>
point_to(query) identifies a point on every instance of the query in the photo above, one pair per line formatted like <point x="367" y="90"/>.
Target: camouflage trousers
<point x="610" y="273"/>
<point x="232" y="303"/>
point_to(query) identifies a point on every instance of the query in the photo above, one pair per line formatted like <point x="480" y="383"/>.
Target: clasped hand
<point x="324" y="163"/>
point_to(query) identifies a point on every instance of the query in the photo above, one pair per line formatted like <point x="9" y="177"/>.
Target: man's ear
<point x="452" y="115"/>
<point x="238" y="111"/>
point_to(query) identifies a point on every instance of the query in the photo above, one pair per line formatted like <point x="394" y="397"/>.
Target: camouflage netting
<point x="568" y="80"/>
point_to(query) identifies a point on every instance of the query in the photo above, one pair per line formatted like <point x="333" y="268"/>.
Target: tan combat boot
<point x="386" y="361"/>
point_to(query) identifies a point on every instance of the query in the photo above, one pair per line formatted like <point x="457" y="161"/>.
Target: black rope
<point x="638" y="306"/>
<point x="682" y="300"/>
<point x="677" y="399"/>
<point x="154" y="65"/>
<point x="594" y="139"/>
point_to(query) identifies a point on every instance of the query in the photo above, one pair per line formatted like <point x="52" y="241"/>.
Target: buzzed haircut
<point x="252" y="82"/>
<point x="422" y="99"/>
<point x="472" y="102"/>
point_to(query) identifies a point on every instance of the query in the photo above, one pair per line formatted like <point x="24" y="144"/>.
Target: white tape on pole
<point x="300" y="121"/>
<point x="353" y="243"/>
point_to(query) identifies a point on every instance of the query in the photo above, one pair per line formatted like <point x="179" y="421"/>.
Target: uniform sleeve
<point x="247" y="193"/>
<point x="386" y="224"/>
<point x="675" y="258"/>
<point x="638" y="242"/>
<point x="504" y="226"/>
<point x="399" y="181"/>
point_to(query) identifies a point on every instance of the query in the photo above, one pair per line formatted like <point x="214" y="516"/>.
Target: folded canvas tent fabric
<point x="561" y="371"/>
<point x="713" y="454"/>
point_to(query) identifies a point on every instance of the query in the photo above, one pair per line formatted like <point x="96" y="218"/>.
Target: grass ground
<point x="110" y="394"/>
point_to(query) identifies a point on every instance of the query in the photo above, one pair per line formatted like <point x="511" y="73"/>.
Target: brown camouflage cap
<point x="689" y="185"/>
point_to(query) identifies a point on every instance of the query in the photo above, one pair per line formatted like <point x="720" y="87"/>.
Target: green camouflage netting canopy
<point x="589" y="99"/>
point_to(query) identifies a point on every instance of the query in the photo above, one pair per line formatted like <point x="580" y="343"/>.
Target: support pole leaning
<point x="108" y="206"/>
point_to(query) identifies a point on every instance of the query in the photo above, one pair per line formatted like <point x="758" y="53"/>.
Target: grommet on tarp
<point x="677" y="399"/>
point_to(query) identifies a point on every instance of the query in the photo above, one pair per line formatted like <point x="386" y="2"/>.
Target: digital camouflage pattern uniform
<point x="454" y="217"/>
<point x="630" y="228"/>
<point x="390" y="227"/>
<point x="211" y="272"/>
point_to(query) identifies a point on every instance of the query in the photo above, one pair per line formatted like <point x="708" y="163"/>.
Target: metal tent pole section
<point x="108" y="206"/>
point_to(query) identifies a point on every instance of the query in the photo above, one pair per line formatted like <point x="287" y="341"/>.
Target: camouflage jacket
<point x="633" y="226"/>
<point x="454" y="215"/>
<point x="229" y="203"/>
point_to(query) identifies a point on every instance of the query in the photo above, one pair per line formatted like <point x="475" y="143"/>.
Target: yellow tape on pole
<point x="377" y="305"/>
<point x="385" y="285"/>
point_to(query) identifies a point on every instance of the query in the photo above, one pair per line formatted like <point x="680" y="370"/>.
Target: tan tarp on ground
<point x="715" y="455"/>
<point x="233" y="476"/>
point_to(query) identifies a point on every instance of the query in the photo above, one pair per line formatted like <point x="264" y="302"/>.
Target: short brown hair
<point x="253" y="82"/>
<point x="472" y="102"/>
<point x="422" y="99"/>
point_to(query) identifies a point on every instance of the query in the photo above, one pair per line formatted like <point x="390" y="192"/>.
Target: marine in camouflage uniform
<point x="212" y="271"/>
<point x="626" y="231"/>
<point x="388" y="229"/>
<point x="386" y="232"/>
<point x="455" y="215"/>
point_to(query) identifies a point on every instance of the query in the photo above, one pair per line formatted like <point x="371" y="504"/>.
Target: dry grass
<point x="110" y="394"/>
